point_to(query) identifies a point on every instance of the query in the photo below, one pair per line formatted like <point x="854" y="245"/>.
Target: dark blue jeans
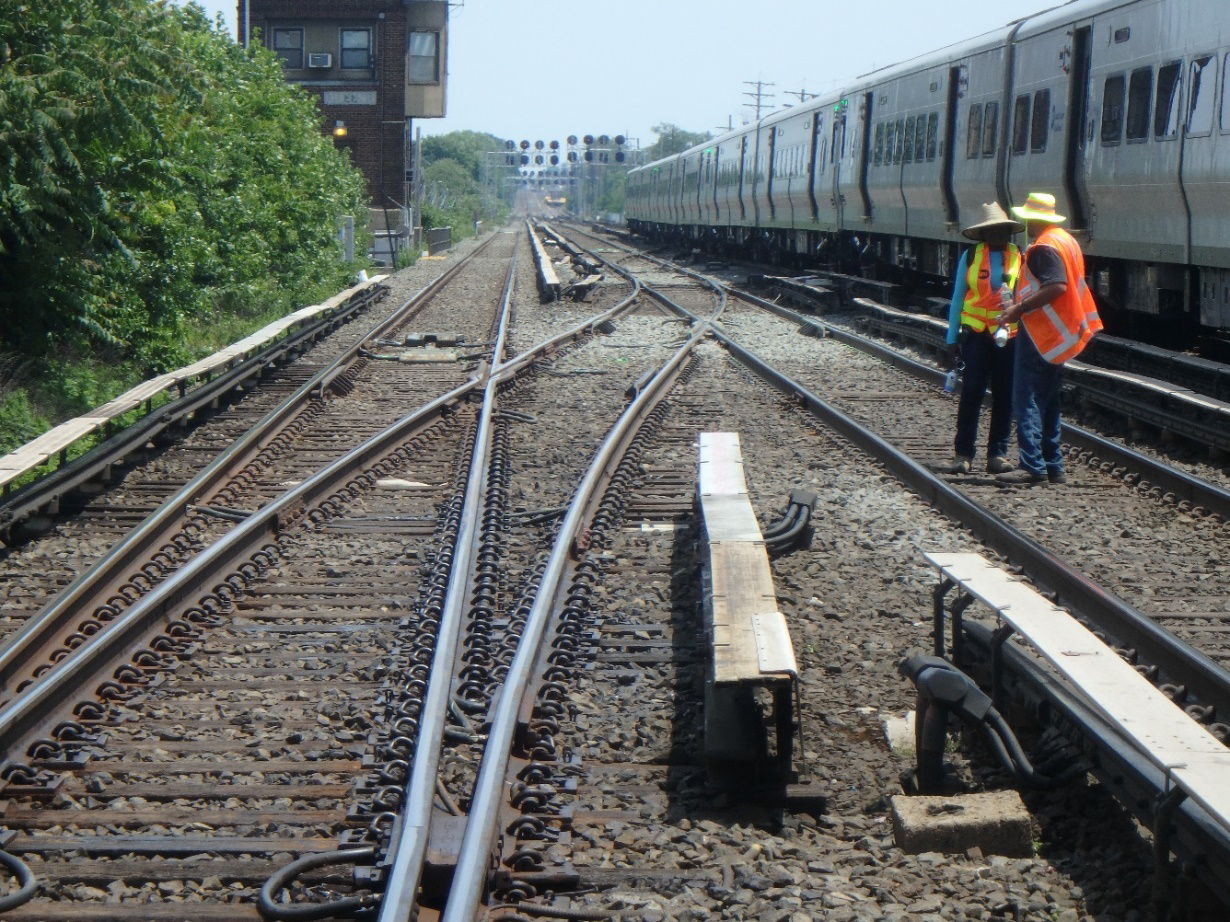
<point x="1036" y="402"/>
<point x="985" y="363"/>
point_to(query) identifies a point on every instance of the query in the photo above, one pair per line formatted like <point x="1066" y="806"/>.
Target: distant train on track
<point x="1117" y="107"/>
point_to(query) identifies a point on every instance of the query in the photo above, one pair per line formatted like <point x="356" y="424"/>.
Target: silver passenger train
<point x="1117" y="107"/>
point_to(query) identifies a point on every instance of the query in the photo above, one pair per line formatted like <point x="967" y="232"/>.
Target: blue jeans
<point x="1035" y="396"/>
<point x="985" y="363"/>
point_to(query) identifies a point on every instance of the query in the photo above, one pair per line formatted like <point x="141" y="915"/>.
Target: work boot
<point x="998" y="465"/>
<point x="1021" y="476"/>
<point x="960" y="465"/>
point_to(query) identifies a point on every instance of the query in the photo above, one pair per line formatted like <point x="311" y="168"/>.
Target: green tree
<point x="156" y="181"/>
<point x="671" y="139"/>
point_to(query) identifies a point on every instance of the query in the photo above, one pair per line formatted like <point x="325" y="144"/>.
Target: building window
<point x="1140" y="98"/>
<point x="973" y="140"/>
<point x="1166" y="111"/>
<point x="423" y="57"/>
<point x="1041" y="121"/>
<point x="1113" y="92"/>
<point x="288" y="45"/>
<point x="356" y="49"/>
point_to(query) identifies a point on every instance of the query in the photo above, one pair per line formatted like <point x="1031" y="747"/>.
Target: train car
<point x="1117" y="107"/>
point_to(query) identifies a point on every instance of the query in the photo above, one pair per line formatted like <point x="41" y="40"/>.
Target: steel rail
<point x="51" y="625"/>
<point x="408" y="843"/>
<point x="24" y="502"/>
<point x="1184" y="486"/>
<point x="410" y="836"/>
<point x="1204" y="679"/>
<point x="469" y="877"/>
<point x="1199" y="839"/>
<point x="477" y="844"/>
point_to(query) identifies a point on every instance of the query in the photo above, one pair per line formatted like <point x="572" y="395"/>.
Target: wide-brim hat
<point x="992" y="217"/>
<point x="1040" y="206"/>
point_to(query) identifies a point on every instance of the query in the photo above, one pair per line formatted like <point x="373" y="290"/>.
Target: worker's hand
<point x="1011" y="313"/>
<point x="951" y="354"/>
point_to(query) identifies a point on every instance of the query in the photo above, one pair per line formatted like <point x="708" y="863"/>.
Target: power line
<point x="758" y="94"/>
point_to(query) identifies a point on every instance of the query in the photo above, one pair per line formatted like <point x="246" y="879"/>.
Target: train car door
<point x="865" y="154"/>
<point x="1078" y="132"/>
<point x="813" y="161"/>
<point x="836" y="150"/>
<point x="957" y="80"/>
<point x="742" y="176"/>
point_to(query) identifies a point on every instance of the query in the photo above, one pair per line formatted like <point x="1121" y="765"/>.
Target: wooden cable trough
<point x="750" y="642"/>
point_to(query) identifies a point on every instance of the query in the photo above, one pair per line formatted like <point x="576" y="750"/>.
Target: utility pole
<point x="758" y="94"/>
<point x="729" y="126"/>
<point x="803" y="95"/>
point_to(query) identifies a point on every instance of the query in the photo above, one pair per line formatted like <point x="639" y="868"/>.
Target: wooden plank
<point x="751" y="642"/>
<point x="1191" y="756"/>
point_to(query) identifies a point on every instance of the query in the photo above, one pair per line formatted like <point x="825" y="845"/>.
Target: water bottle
<point x="1005" y="301"/>
<point x="950" y="381"/>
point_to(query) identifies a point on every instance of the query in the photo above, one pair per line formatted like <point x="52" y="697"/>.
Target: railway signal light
<point x="554" y="145"/>
<point x="510" y="145"/>
<point x="525" y="145"/>
<point x="572" y="140"/>
<point x="588" y="139"/>
<point x="538" y="145"/>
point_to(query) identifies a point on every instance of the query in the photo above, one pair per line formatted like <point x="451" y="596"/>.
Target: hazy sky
<point x="547" y="69"/>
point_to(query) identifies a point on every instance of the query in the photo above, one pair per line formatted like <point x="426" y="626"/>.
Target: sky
<point x="551" y="68"/>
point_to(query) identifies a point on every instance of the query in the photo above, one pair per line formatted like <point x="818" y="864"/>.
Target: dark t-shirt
<point x="1046" y="266"/>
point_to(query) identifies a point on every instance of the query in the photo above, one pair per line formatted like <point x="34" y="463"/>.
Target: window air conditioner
<point x="320" y="59"/>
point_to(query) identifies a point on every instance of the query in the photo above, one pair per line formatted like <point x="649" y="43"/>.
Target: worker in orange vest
<point x="985" y="276"/>
<point x="1058" y="318"/>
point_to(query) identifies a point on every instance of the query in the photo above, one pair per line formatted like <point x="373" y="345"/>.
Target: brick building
<point x="374" y="66"/>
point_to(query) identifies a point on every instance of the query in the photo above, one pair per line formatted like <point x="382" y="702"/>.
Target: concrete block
<point x="995" y="822"/>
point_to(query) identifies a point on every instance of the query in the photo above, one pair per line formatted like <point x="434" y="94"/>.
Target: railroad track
<point x="611" y="798"/>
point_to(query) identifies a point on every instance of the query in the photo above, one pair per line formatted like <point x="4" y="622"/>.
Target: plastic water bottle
<point x="950" y="381"/>
<point x="1005" y="301"/>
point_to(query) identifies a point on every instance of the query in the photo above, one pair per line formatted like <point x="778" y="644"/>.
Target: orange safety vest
<point x="982" y="305"/>
<point x="1061" y="330"/>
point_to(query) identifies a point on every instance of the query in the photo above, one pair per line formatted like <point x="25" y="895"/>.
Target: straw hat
<point x="992" y="217"/>
<point x="1040" y="206"/>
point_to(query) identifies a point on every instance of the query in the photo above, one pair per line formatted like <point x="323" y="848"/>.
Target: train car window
<point x="877" y="156"/>
<point x="973" y="141"/>
<point x="356" y="49"/>
<point x="933" y="135"/>
<point x="907" y="155"/>
<point x="288" y="46"/>
<point x="1040" y="126"/>
<point x="899" y="147"/>
<point x="1112" y="109"/>
<point x="1140" y="98"/>
<point x="1225" y="112"/>
<point x="990" y="125"/>
<point x="890" y="138"/>
<point x="422" y="57"/>
<point x="1020" y="124"/>
<point x="1201" y="94"/>
<point x="1166" y="111"/>
<point x="920" y="139"/>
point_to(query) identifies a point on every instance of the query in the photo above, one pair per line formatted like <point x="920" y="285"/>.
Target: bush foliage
<point x="156" y="181"/>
